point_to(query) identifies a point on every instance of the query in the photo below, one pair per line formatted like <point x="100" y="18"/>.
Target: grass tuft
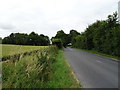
<point x="62" y="76"/>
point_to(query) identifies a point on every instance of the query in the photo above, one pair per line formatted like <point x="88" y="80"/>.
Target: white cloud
<point x="49" y="16"/>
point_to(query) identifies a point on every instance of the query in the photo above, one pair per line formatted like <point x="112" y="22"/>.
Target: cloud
<point x="49" y="16"/>
<point x="5" y="26"/>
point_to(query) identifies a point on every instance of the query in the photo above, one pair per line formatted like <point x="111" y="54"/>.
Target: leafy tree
<point x="112" y="20"/>
<point x="24" y="39"/>
<point x="32" y="38"/>
<point x="0" y="40"/>
<point x="102" y="36"/>
<point x="72" y="35"/>
<point x="44" y="40"/>
<point x="63" y="36"/>
<point x="20" y="38"/>
<point x="57" y="42"/>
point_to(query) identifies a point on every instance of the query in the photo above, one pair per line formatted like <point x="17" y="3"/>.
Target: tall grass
<point x="32" y="71"/>
<point x="42" y="68"/>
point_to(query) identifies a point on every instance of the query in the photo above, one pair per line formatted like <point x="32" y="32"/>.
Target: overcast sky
<point x="49" y="16"/>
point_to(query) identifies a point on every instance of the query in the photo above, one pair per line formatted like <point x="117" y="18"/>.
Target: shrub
<point x="58" y="43"/>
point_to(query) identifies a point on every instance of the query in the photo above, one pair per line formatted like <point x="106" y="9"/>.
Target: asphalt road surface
<point x="93" y="71"/>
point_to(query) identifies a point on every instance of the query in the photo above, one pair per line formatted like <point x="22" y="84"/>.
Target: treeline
<point x="0" y="40"/>
<point x="102" y="36"/>
<point x="64" y="39"/>
<point x="25" y="39"/>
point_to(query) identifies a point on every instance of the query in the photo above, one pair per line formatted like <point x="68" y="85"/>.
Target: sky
<point x="49" y="16"/>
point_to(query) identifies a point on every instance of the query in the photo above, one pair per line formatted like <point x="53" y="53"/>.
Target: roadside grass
<point x="102" y="54"/>
<point x="31" y="71"/>
<point x="62" y="76"/>
<point x="44" y="69"/>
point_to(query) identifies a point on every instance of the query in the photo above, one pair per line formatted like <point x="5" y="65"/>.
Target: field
<point x="44" y="68"/>
<point x="17" y="49"/>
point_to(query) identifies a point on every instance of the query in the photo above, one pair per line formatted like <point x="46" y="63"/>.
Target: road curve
<point x="93" y="71"/>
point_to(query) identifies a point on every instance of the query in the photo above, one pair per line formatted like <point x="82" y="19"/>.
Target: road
<point x="93" y="71"/>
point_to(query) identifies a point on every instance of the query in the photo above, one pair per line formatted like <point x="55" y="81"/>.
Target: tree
<point x="112" y="20"/>
<point x="20" y="38"/>
<point x="102" y="36"/>
<point x="44" y="40"/>
<point x="0" y="40"/>
<point x="32" y="38"/>
<point x="63" y="36"/>
<point x="72" y="35"/>
<point x="25" y="39"/>
<point x="57" y="42"/>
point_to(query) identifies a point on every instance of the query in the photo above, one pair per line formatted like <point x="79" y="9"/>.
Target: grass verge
<point x="43" y="69"/>
<point x="62" y="76"/>
<point x="102" y="54"/>
<point x="31" y="71"/>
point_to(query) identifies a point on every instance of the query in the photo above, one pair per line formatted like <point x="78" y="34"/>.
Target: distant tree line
<point x="65" y="39"/>
<point x="102" y="36"/>
<point x="0" y="40"/>
<point x="25" y="39"/>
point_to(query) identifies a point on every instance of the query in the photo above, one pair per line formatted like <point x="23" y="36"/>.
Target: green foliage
<point x="62" y="75"/>
<point x="24" y="39"/>
<point x="46" y="68"/>
<point x="66" y="38"/>
<point x="32" y="71"/>
<point x="113" y="20"/>
<point x="63" y="36"/>
<point x="57" y="42"/>
<point x="0" y="40"/>
<point x="102" y="36"/>
<point x="72" y="35"/>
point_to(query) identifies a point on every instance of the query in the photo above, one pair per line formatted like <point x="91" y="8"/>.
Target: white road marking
<point x="99" y="61"/>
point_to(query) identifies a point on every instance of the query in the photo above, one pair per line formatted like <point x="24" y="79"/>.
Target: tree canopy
<point x="102" y="36"/>
<point x="25" y="39"/>
<point x="0" y="40"/>
<point x="66" y="38"/>
<point x="62" y="36"/>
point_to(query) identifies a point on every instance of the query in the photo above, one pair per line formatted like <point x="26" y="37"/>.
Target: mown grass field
<point x="45" y="68"/>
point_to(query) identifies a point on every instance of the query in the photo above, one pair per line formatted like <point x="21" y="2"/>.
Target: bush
<point x="58" y="43"/>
